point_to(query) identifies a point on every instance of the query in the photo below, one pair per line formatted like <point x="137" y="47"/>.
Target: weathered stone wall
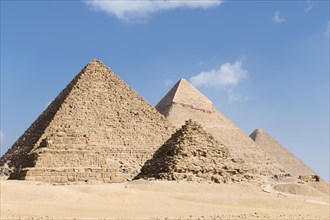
<point x="194" y="155"/>
<point x="100" y="124"/>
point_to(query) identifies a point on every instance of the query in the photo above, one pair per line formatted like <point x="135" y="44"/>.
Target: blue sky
<point x="263" y="64"/>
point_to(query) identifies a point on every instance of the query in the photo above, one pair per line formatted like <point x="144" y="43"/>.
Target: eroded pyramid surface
<point x="194" y="155"/>
<point x="97" y="128"/>
<point x="184" y="102"/>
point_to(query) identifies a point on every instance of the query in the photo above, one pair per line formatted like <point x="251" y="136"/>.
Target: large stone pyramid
<point x="194" y="155"/>
<point x="97" y="128"/>
<point x="277" y="152"/>
<point x="184" y="102"/>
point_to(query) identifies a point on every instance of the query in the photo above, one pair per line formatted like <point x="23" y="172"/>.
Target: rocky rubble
<point x="194" y="155"/>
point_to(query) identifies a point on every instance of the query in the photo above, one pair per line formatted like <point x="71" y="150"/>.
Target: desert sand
<point x="141" y="199"/>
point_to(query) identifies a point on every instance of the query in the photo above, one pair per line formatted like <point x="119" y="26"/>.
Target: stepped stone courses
<point x="97" y="129"/>
<point x="184" y="102"/>
<point x="285" y="158"/>
<point x="194" y="155"/>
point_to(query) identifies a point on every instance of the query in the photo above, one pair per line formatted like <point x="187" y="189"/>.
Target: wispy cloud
<point x="169" y="82"/>
<point x="2" y="136"/>
<point x="237" y="98"/>
<point x="327" y="29"/>
<point x="229" y="74"/>
<point x="309" y="6"/>
<point x="139" y="10"/>
<point x="277" y="17"/>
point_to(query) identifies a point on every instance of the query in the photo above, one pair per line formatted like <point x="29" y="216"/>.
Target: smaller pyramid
<point x="194" y="155"/>
<point x="279" y="153"/>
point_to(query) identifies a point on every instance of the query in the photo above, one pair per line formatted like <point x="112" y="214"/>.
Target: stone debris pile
<point x="194" y="155"/>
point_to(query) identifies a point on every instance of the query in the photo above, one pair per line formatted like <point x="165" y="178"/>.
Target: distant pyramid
<point x="97" y="128"/>
<point x="184" y="102"/>
<point x="279" y="153"/>
<point x="193" y="154"/>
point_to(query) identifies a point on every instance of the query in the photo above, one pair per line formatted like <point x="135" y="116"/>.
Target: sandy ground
<point x="156" y="200"/>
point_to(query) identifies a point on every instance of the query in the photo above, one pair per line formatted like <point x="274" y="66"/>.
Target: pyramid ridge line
<point x="43" y="121"/>
<point x="177" y="89"/>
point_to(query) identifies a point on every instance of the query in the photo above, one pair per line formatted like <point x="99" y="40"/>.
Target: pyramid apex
<point x="183" y="80"/>
<point x="95" y="61"/>
<point x="257" y="132"/>
<point x="96" y="65"/>
<point x="185" y="94"/>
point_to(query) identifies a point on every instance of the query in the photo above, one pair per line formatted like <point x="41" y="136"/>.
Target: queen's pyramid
<point x="184" y="102"/>
<point x="194" y="155"/>
<point x="97" y="128"/>
<point x="279" y="153"/>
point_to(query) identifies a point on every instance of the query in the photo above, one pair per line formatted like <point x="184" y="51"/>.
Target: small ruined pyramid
<point x="97" y="128"/>
<point x="184" y="102"/>
<point x="194" y="155"/>
<point x="278" y="152"/>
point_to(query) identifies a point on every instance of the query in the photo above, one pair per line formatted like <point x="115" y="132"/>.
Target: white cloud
<point x="2" y="136"/>
<point x="309" y="6"/>
<point x="236" y="98"/>
<point x="327" y="29"/>
<point x="227" y="75"/>
<point x="277" y="18"/>
<point x="135" y="10"/>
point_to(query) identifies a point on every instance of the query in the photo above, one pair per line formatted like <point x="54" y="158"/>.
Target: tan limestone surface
<point x="184" y="102"/>
<point x="97" y="129"/>
<point x="279" y="153"/>
<point x="194" y="155"/>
